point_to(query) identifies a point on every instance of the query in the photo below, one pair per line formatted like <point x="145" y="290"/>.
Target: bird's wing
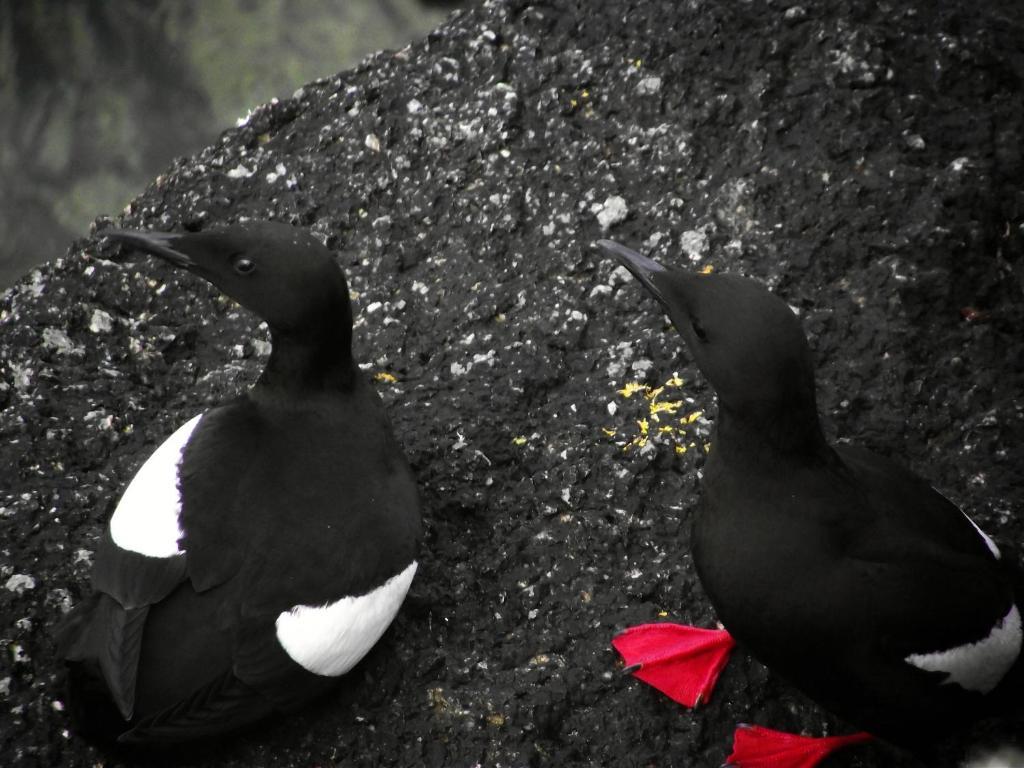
<point x="942" y="615"/>
<point x="223" y="704"/>
<point x="337" y="523"/>
<point x="914" y="506"/>
<point x="134" y="580"/>
<point x="288" y="655"/>
<point x="931" y="581"/>
<point x="312" y="587"/>
<point x="172" y="523"/>
<point x="217" y="514"/>
<point x="138" y="562"/>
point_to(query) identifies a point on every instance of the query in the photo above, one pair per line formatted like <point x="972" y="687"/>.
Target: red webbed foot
<point x="680" y="661"/>
<point x="757" y="747"/>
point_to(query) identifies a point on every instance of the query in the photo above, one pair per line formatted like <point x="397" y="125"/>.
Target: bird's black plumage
<point x="841" y="570"/>
<point x="294" y="494"/>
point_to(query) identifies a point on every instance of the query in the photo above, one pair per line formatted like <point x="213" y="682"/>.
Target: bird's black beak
<point x="159" y="244"/>
<point x="644" y="269"/>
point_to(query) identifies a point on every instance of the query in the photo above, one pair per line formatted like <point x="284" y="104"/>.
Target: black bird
<point x="266" y="545"/>
<point x="843" y="571"/>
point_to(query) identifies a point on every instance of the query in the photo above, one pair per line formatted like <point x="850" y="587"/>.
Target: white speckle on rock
<point x="694" y="244"/>
<point x="611" y="212"/>
<point x="18" y="654"/>
<point x="649" y="85"/>
<point x="372" y="142"/>
<point x="847" y="63"/>
<point x="55" y="338"/>
<point x="642" y="366"/>
<point x="5" y="686"/>
<point x="277" y="173"/>
<point x="914" y="141"/>
<point x="19" y="582"/>
<point x="733" y="206"/>
<point x="621" y="353"/>
<point x="619" y="275"/>
<point x="959" y="164"/>
<point x="652" y="242"/>
<point x="100" y="322"/>
<point x="240" y="172"/>
<point x="37" y="286"/>
<point x="62" y="598"/>
<point x="612" y="409"/>
<point x="414" y="106"/>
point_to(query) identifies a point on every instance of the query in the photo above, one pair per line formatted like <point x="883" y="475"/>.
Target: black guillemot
<point x="267" y="544"/>
<point x="842" y="571"/>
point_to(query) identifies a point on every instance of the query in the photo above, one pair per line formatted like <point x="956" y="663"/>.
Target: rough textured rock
<point x="864" y="160"/>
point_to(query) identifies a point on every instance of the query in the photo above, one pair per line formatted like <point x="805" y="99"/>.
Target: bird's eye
<point x="698" y="329"/>
<point x="244" y="266"/>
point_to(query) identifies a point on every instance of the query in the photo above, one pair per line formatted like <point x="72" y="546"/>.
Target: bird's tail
<point x="89" y="704"/>
<point x="73" y="633"/>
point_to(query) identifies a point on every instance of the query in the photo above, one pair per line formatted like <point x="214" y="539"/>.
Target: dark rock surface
<point x="864" y="160"/>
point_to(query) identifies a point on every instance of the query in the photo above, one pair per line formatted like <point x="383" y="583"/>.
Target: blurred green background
<point x="98" y="96"/>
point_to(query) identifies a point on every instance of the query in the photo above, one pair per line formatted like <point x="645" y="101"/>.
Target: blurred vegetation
<point x="98" y="96"/>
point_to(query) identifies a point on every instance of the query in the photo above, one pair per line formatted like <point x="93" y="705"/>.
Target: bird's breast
<point x="760" y="561"/>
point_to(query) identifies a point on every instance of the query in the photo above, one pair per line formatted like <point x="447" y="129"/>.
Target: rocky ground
<point x="865" y="160"/>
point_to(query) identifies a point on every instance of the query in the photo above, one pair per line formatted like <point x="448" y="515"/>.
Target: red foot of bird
<point x="680" y="661"/>
<point x="757" y="747"/>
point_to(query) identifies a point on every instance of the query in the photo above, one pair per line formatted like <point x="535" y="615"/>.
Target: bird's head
<point x="747" y="341"/>
<point x="281" y="273"/>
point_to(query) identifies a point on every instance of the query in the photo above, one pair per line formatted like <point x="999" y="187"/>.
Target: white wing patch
<point x="331" y="639"/>
<point x="984" y="536"/>
<point x="977" y="666"/>
<point x="147" y="518"/>
<point x="988" y="541"/>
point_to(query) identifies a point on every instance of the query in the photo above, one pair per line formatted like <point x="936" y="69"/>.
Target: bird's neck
<point x="302" y="363"/>
<point x="767" y="434"/>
